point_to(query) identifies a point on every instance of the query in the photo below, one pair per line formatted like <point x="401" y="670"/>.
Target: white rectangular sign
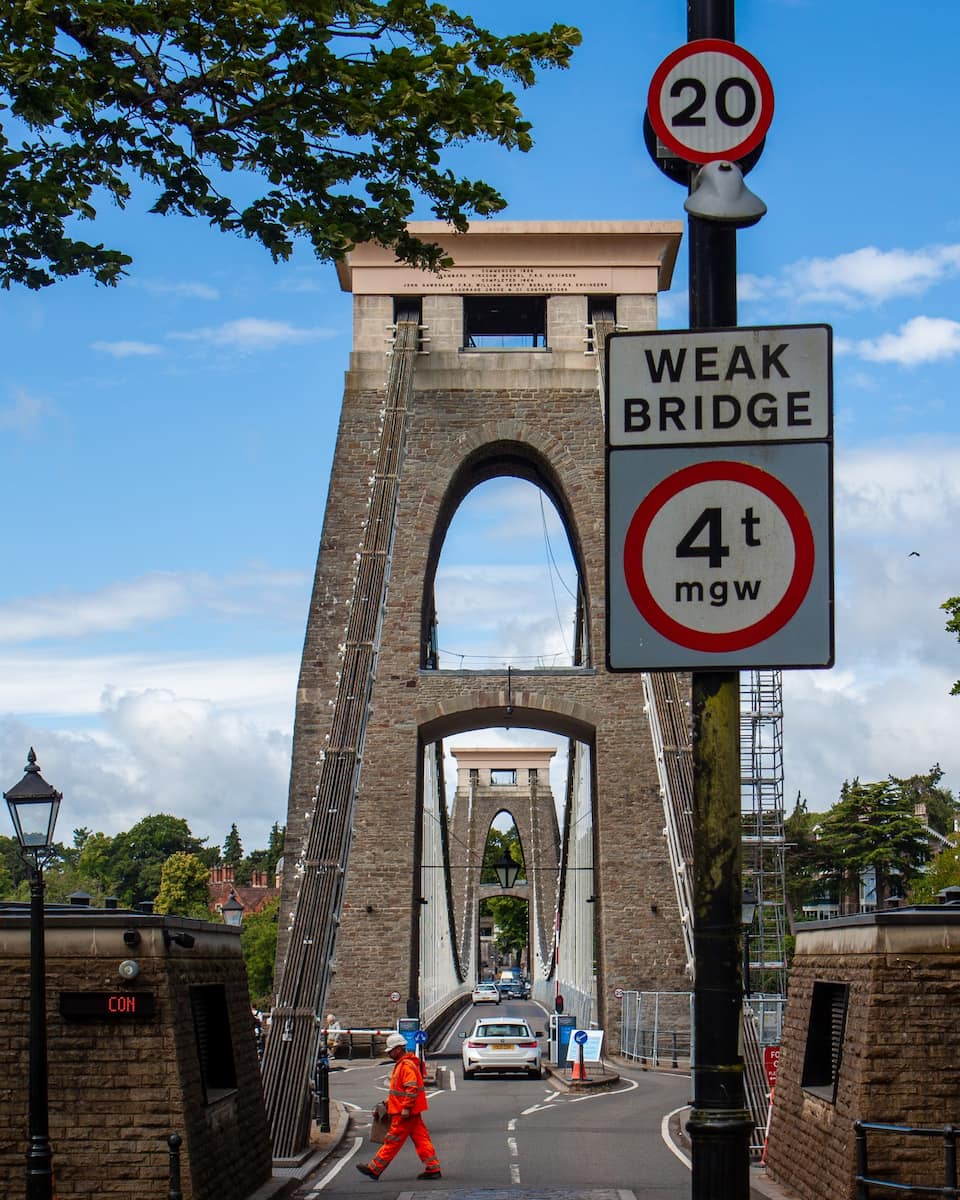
<point x="592" y="1046"/>
<point x="717" y="386"/>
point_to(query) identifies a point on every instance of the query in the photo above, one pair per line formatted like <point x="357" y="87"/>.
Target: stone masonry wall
<point x="900" y="1059"/>
<point x="118" y="1089"/>
<point x="562" y="429"/>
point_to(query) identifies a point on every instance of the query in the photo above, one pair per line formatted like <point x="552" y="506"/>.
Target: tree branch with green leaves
<point x="276" y="120"/>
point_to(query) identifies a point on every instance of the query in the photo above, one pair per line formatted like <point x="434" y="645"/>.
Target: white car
<point x="504" y="1045"/>
<point x="485" y="993"/>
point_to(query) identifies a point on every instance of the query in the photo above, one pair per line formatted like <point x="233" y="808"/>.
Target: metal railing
<point x="865" y="1181"/>
<point x="656" y="1028"/>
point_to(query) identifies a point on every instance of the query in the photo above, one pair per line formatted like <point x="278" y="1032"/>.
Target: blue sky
<point x="166" y="445"/>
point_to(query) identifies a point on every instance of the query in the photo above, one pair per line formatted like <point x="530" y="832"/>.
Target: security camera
<point x="131" y="937"/>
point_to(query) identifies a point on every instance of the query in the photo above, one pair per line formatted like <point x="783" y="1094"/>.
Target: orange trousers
<point x="400" y="1129"/>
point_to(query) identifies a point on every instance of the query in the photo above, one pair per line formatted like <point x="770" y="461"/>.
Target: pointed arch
<point x="508" y="453"/>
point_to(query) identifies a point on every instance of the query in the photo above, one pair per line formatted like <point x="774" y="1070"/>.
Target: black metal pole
<point x="323" y="1091"/>
<point x="746" y="961"/>
<point x="719" y="1124"/>
<point x="39" y="1155"/>
<point x="174" y="1142"/>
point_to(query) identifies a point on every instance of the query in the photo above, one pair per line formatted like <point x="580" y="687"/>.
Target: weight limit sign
<point x="742" y="563"/>
<point x="717" y="563"/>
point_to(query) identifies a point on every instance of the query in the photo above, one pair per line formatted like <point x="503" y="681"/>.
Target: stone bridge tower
<point x="516" y="781"/>
<point x="504" y="378"/>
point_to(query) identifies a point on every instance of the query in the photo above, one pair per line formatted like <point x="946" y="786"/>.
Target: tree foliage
<point x="184" y="887"/>
<point x="275" y="119"/>
<point x="259" y="943"/>
<point x="500" y="842"/>
<point x="871" y="826"/>
<point x="943" y="872"/>
<point x="803" y="858"/>
<point x="938" y="801"/>
<point x="130" y="864"/>
<point x="952" y="608"/>
<point x="232" y="847"/>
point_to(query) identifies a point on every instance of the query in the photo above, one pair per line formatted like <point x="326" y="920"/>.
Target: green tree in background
<point x="804" y="860"/>
<point x="510" y="918"/>
<point x="259" y="943"/>
<point x="952" y="608"/>
<point x="232" y="848"/>
<point x="938" y="801"/>
<point x="509" y="913"/>
<point x="275" y="119"/>
<point x="184" y="887"/>
<point x="500" y="842"/>
<point x="129" y="865"/>
<point x="871" y="826"/>
<point x="943" y="872"/>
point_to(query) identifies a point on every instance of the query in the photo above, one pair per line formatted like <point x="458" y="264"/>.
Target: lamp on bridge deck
<point x="507" y="871"/>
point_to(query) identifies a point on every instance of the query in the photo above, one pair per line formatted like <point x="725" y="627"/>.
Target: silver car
<point x="486" y="993"/>
<point x="504" y="1045"/>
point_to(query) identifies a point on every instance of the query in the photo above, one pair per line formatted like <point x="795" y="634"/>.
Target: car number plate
<point x="502" y="1046"/>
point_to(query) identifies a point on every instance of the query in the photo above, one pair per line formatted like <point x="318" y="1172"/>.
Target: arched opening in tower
<point x="507" y="590"/>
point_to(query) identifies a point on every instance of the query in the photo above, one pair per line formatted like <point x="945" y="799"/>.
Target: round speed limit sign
<point x="709" y="100"/>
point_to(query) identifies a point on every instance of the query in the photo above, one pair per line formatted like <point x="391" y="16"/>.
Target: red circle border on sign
<point x="797" y="588"/>
<point x="705" y="46"/>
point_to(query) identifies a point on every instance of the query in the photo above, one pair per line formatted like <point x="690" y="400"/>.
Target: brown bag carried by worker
<point x="381" y="1123"/>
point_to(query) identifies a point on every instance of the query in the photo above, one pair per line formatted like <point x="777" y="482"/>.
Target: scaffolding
<point x="761" y="806"/>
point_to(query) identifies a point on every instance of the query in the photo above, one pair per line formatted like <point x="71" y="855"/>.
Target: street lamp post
<point x="232" y="910"/>
<point x="34" y="806"/>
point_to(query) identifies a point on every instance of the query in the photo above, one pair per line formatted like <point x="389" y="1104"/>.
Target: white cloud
<point x="158" y="596"/>
<point x="871" y="276"/>
<point x="255" y="333"/>
<point x="158" y="752"/>
<point x="24" y="414"/>
<point x="885" y="707"/>
<point x="187" y="289"/>
<point x="920" y="340"/>
<point x="62" y="688"/>
<point x="865" y="277"/>
<point x="126" y="349"/>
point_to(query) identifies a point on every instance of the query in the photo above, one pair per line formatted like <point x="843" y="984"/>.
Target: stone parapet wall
<point x="900" y="1054"/>
<point x="119" y="1087"/>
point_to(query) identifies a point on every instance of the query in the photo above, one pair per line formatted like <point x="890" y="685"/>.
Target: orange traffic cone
<point x="578" y="1071"/>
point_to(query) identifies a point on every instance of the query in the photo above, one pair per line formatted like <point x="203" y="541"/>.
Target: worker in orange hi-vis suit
<point x="406" y="1101"/>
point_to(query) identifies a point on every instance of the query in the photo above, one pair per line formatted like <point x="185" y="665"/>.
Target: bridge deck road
<point x="512" y="1138"/>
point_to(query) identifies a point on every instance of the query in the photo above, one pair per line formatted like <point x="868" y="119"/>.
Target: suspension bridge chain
<point x="295" y="1027"/>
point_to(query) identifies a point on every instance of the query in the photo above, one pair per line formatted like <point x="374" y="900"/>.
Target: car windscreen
<point x="502" y="1031"/>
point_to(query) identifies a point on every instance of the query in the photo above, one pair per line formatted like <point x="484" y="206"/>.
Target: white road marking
<point x="335" y="1170"/>
<point x="514" y="1154"/>
<point x="511" y="1124"/>
<point x="600" y="1095"/>
<point x="668" y="1140"/>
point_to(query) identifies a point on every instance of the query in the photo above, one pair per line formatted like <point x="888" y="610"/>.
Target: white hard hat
<point x="395" y="1041"/>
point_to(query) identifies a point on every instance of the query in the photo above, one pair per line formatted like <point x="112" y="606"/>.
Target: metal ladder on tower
<point x="295" y="1030"/>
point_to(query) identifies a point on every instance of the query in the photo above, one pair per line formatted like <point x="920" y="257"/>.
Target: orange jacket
<point x="406" y="1086"/>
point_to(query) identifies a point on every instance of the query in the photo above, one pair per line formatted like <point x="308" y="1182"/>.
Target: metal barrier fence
<point x="768" y="1011"/>
<point x="865" y="1182"/>
<point x="656" y="1028"/>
